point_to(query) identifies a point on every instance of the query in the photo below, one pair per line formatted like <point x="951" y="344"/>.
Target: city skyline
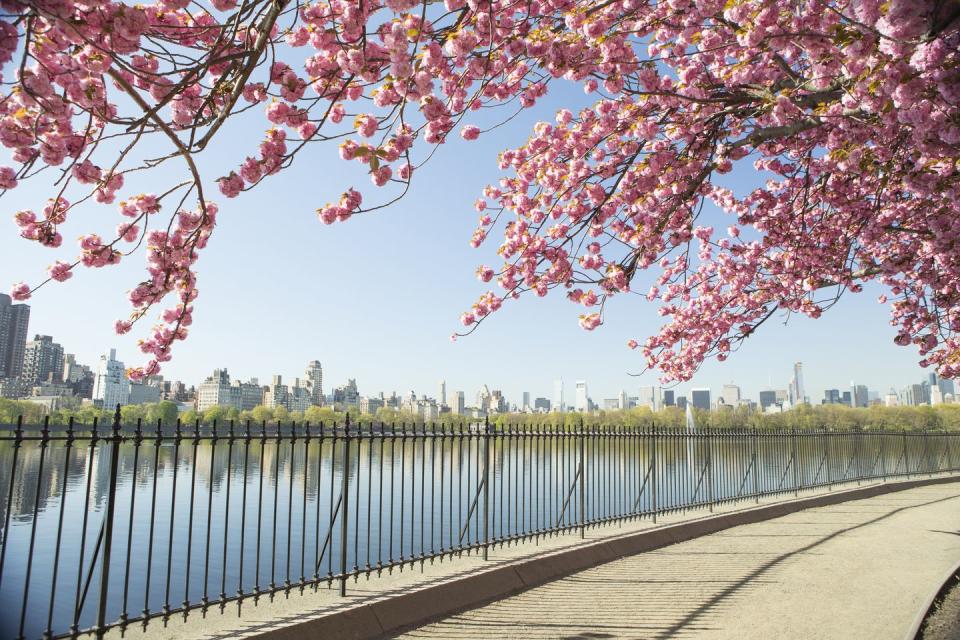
<point x="57" y="379"/>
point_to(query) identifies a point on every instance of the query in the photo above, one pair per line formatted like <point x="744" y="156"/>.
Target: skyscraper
<point x="14" y="320"/>
<point x="526" y="401"/>
<point x="110" y="385"/>
<point x="314" y="376"/>
<point x="668" y="398"/>
<point x="442" y="393"/>
<point x="946" y="387"/>
<point x="730" y="394"/>
<point x="622" y="400"/>
<point x="700" y="398"/>
<point x="459" y="406"/>
<point x="42" y="361"/>
<point x="558" y="396"/>
<point x="581" y="397"/>
<point x="797" y="392"/>
<point x="649" y="397"/>
<point x="768" y="398"/>
<point x="859" y="395"/>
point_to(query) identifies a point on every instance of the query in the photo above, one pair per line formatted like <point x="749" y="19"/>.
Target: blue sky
<point x="377" y="298"/>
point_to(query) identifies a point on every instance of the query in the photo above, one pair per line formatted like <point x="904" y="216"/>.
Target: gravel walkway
<point x="860" y="569"/>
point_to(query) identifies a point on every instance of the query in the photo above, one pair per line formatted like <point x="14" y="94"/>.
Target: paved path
<point x="860" y="569"/>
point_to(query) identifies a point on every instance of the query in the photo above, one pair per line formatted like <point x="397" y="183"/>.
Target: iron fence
<point x="107" y="529"/>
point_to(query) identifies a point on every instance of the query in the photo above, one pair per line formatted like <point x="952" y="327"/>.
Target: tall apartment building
<point x="314" y="378"/>
<point x="649" y="397"/>
<point x="668" y="398"/>
<point x="110" y="384"/>
<point x="275" y="395"/>
<point x="700" y="398"/>
<point x="581" y="397"/>
<point x="859" y="395"/>
<point x="42" y="361"/>
<point x="14" y="320"/>
<point x="558" y="404"/>
<point x="301" y="395"/>
<point x="442" y="393"/>
<point x="459" y="403"/>
<point x="348" y="395"/>
<point x="730" y="395"/>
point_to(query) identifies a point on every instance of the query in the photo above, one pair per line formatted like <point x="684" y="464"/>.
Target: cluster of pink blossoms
<point x="849" y="109"/>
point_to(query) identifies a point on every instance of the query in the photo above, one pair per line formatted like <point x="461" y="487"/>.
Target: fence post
<point x="653" y="470"/>
<point x="756" y="465"/>
<point x="906" y="454"/>
<point x="709" y="437"/>
<point x="829" y="465"/>
<point x="796" y="461"/>
<point x="583" y="477"/>
<point x="108" y="525"/>
<point x="486" y="486"/>
<point x="946" y="443"/>
<point x="883" y="457"/>
<point x="345" y="500"/>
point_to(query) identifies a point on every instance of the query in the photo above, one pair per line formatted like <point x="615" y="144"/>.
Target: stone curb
<point x="913" y="633"/>
<point x="382" y="615"/>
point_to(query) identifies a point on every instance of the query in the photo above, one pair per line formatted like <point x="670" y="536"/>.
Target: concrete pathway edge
<point x="914" y="632"/>
<point x="378" y="616"/>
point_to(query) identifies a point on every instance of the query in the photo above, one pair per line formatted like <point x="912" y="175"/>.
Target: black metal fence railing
<point x="106" y="529"/>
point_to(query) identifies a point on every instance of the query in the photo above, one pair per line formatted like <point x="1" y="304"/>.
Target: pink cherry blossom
<point x="20" y="291"/>
<point x="848" y="111"/>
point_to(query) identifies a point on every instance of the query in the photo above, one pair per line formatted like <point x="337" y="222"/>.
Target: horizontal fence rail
<point x="105" y="529"/>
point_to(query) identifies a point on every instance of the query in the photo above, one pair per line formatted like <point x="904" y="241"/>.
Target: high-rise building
<point x="797" y="392"/>
<point x="442" y="393"/>
<point x="459" y="405"/>
<point x="541" y="404"/>
<point x="276" y="394"/>
<point x="347" y="395"/>
<point x="301" y="396"/>
<point x="936" y="396"/>
<point x="891" y="400"/>
<point x="143" y="393"/>
<point x="42" y="361"/>
<point x="831" y="396"/>
<point x="946" y="387"/>
<point x="768" y="398"/>
<point x="649" y="397"/>
<point x="700" y="398"/>
<point x="622" y="402"/>
<point x="14" y="321"/>
<point x="730" y="394"/>
<point x="860" y="395"/>
<point x="110" y="384"/>
<point x="219" y="390"/>
<point x="558" y="396"/>
<point x="526" y="401"/>
<point x="370" y="406"/>
<point x="668" y="400"/>
<point x="682" y="402"/>
<point x="314" y="376"/>
<point x="581" y="396"/>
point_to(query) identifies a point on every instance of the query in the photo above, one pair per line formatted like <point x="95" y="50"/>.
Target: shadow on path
<point x="659" y="599"/>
